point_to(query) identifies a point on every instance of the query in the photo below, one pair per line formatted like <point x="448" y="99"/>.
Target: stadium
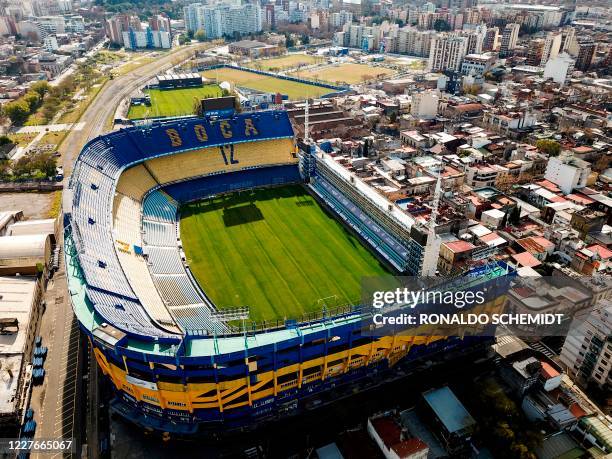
<point x="215" y="268"/>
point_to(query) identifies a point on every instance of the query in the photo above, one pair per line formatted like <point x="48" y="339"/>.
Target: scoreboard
<point x="218" y="106"/>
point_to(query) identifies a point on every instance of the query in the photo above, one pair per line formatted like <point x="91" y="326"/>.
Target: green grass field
<point x="274" y="250"/>
<point x="285" y="62"/>
<point x="173" y="102"/>
<point x="346" y="73"/>
<point x="294" y="90"/>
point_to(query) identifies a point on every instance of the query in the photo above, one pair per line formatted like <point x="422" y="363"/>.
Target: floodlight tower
<point x="432" y="246"/>
<point x="306" y="125"/>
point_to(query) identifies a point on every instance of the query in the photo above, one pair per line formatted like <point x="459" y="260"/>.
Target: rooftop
<point x="17" y="295"/>
<point x="526" y="259"/>
<point x="449" y="409"/>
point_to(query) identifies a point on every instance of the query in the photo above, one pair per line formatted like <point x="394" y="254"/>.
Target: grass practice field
<point x="173" y="102"/>
<point x="346" y="73"/>
<point x="294" y="90"/>
<point x="274" y="250"/>
<point x="285" y="62"/>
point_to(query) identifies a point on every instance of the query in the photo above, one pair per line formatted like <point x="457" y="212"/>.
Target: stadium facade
<point x="156" y="335"/>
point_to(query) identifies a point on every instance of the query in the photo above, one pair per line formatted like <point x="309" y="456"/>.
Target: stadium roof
<point x="178" y="76"/>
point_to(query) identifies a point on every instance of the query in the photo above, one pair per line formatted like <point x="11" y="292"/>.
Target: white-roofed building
<point x="19" y="315"/>
<point x="32" y="227"/>
<point x="26" y="254"/>
<point x="492" y="218"/>
<point x="8" y="218"/>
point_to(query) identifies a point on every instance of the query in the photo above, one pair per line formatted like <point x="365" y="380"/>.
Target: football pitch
<point x="274" y="250"/>
<point x="173" y="102"/>
<point x="267" y="83"/>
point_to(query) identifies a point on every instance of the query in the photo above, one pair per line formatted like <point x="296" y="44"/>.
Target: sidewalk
<point x="49" y="128"/>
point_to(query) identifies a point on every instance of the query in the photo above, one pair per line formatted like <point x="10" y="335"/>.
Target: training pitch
<point x="285" y="62"/>
<point x="346" y="73"/>
<point x="274" y="250"/>
<point x="173" y="102"/>
<point x="266" y="83"/>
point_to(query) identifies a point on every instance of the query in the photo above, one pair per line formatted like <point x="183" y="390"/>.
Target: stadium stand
<point x="178" y="289"/>
<point x="126" y="226"/>
<point x="100" y="155"/>
<point x="160" y="207"/>
<point x="135" y="182"/>
<point x="94" y="239"/>
<point x="111" y="215"/>
<point x="195" y="319"/>
<point x="158" y="233"/>
<point x="164" y="260"/>
<point x="221" y="159"/>
<point x="223" y="183"/>
<point x="355" y="210"/>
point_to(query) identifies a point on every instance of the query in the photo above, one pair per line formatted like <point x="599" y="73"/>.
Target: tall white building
<point x="223" y="19"/>
<point x="192" y="14"/>
<point x="52" y="24"/>
<point x="569" y="42"/>
<point x="340" y="18"/>
<point x="425" y="104"/>
<point x="146" y="38"/>
<point x="567" y="172"/>
<point x="414" y="42"/>
<point x="559" y="68"/>
<point x="587" y="351"/>
<point x="50" y="43"/>
<point x="476" y="38"/>
<point x="509" y="39"/>
<point x="447" y="52"/>
<point x="552" y="46"/>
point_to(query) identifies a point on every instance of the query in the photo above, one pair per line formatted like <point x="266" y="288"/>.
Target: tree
<point x="197" y="106"/>
<point x="550" y="147"/>
<point x="366" y="149"/>
<point x="515" y="215"/>
<point x="440" y="25"/>
<point x="289" y="42"/>
<point x="50" y="106"/>
<point x="17" y="111"/>
<point x="504" y="221"/>
<point x="39" y="164"/>
<point x="200" y="35"/>
<point x="32" y="98"/>
<point x="41" y="87"/>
